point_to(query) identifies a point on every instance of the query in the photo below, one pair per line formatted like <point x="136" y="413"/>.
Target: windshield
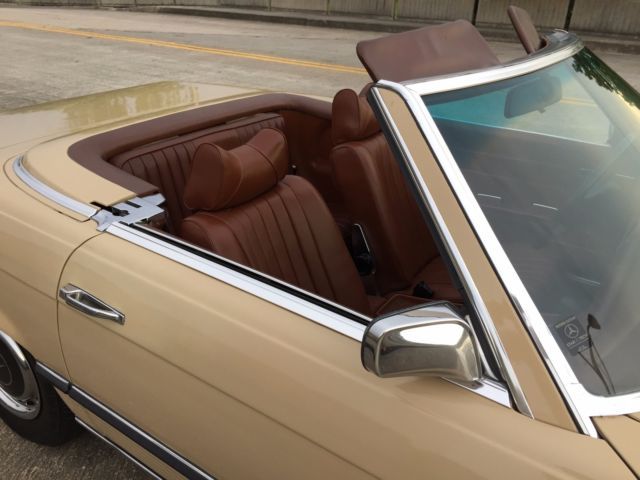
<point x="552" y="158"/>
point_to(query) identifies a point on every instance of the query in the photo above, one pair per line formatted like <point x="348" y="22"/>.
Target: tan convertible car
<point x="199" y="274"/>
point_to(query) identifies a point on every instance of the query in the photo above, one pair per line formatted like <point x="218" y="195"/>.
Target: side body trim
<point x="152" y="445"/>
<point x="249" y="280"/>
<point x="53" y="378"/>
<point x="48" y="192"/>
<point x="121" y="451"/>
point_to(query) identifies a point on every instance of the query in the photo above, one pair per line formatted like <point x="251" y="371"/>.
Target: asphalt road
<point x="54" y="53"/>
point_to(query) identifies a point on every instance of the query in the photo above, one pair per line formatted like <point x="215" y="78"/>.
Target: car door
<point x="204" y="369"/>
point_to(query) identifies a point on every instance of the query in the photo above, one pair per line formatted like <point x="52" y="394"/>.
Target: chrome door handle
<point x="88" y="304"/>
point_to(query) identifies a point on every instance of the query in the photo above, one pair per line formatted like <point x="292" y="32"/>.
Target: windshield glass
<point x="552" y="158"/>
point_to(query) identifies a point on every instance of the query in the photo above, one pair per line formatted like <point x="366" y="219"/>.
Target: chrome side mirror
<point x="432" y="340"/>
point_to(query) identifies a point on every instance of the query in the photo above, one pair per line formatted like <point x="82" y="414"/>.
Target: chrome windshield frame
<point x="582" y="404"/>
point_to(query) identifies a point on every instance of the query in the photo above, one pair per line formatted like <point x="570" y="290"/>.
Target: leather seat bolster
<point x="352" y="118"/>
<point x="525" y="29"/>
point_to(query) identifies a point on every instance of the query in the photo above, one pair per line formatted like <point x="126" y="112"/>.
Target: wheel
<point x="28" y="404"/>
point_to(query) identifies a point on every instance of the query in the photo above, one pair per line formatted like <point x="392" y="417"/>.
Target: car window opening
<point x="315" y="199"/>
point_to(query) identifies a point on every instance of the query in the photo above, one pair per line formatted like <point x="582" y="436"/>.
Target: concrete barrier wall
<point x="610" y="16"/>
<point x="545" y="13"/>
<point x="244" y="3"/>
<point x="304" y="5"/>
<point x="376" y="8"/>
<point x="598" y="16"/>
<point x="434" y="10"/>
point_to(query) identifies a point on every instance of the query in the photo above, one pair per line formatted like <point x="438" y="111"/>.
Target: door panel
<point x="247" y="389"/>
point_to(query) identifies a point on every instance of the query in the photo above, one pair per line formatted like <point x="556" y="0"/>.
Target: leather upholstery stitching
<point x="281" y="230"/>
<point x="268" y="232"/>
<point x="315" y="241"/>
<point x="298" y="241"/>
<point x="260" y="244"/>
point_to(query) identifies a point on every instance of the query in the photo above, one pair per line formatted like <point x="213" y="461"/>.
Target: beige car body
<point x="242" y="381"/>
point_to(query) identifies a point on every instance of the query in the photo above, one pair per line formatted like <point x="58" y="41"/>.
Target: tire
<point x="29" y="405"/>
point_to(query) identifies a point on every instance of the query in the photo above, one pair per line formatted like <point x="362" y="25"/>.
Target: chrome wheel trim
<point x="26" y="405"/>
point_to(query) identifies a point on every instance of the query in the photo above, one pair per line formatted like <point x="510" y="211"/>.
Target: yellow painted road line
<point x="187" y="47"/>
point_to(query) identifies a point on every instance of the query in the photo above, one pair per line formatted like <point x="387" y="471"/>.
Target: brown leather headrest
<point x="428" y="51"/>
<point x="222" y="179"/>
<point x="351" y="117"/>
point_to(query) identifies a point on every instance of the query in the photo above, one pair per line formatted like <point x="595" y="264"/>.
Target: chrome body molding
<point x="48" y="192"/>
<point x="122" y="452"/>
<point x="213" y="266"/>
<point x="134" y="210"/>
<point x="488" y="388"/>
<point x="131" y="431"/>
<point x="477" y="303"/>
<point x="582" y="404"/>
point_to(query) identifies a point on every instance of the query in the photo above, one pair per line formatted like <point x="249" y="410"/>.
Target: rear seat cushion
<point x="167" y="163"/>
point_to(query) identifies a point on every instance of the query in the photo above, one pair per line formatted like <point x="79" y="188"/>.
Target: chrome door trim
<point x="48" y="192"/>
<point x="488" y="388"/>
<point x="118" y="449"/>
<point x="477" y="303"/>
<point x="86" y="303"/>
<point x="254" y="286"/>
<point x="131" y="431"/>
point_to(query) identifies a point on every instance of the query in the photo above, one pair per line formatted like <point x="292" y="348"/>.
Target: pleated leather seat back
<point x="250" y="211"/>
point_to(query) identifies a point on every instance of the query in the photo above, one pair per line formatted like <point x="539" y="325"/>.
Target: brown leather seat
<point x="249" y="210"/>
<point x="376" y="196"/>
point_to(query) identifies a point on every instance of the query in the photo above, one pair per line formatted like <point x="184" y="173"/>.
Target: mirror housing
<point x="533" y="95"/>
<point x="432" y="340"/>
